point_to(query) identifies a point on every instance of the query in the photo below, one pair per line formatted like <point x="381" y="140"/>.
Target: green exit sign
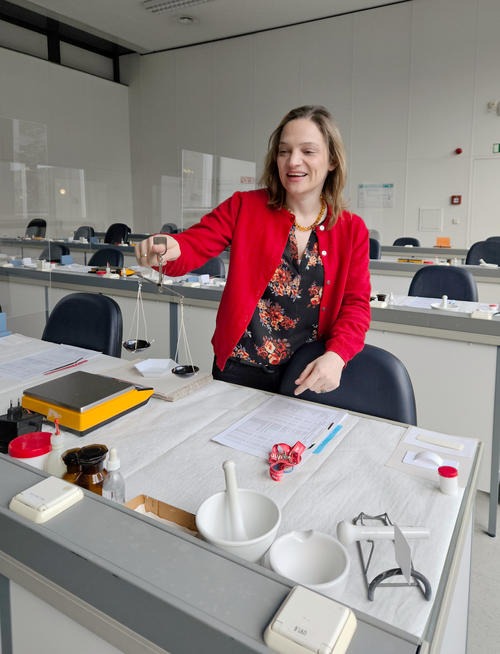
<point x="496" y="148"/>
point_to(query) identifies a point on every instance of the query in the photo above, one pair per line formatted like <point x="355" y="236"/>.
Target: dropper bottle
<point x="54" y="464"/>
<point x="113" y="486"/>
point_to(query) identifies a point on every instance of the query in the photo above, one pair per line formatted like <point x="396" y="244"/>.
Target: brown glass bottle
<point x="91" y="459"/>
<point x="70" y="458"/>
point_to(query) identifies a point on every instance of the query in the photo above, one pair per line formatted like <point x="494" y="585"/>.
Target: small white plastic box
<point x="46" y="499"/>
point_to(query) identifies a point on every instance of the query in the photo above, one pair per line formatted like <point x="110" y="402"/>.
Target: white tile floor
<point x="484" y="611"/>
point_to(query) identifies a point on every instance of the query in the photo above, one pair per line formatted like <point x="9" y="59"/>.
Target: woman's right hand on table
<point x="151" y="253"/>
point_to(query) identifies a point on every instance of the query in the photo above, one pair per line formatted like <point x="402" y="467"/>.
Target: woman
<point x="299" y="262"/>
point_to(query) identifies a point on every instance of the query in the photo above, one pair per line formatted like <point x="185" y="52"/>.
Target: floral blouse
<point x="287" y="315"/>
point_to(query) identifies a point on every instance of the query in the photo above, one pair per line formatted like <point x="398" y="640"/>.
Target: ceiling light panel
<point x="170" y="6"/>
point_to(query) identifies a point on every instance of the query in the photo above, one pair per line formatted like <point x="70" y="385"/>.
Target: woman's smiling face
<point x="303" y="158"/>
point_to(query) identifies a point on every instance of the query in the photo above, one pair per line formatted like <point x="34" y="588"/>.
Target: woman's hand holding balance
<point x="149" y="253"/>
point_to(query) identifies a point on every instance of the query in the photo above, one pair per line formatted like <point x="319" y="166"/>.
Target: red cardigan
<point x="258" y="236"/>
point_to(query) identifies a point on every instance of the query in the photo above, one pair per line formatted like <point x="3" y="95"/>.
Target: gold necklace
<point x="313" y="225"/>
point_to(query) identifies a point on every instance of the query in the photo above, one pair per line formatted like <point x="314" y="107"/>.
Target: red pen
<point x="72" y="365"/>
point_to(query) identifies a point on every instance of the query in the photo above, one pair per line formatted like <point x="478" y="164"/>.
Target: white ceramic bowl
<point x="311" y="558"/>
<point x="261" y="517"/>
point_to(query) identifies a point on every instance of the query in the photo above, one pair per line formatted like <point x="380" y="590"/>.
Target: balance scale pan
<point x="136" y="345"/>
<point x="185" y="371"/>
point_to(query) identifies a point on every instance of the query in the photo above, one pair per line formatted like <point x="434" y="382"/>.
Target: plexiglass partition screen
<point x="43" y="207"/>
<point x="207" y="180"/>
<point x="24" y="212"/>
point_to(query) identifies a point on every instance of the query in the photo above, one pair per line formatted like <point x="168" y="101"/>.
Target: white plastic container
<point x="311" y="558"/>
<point x="261" y="517"/>
<point x="54" y="464"/>
<point x="32" y="448"/>
<point x="448" y="480"/>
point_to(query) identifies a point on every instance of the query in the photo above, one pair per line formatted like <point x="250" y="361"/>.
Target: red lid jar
<point x="448" y="480"/>
<point x="448" y="471"/>
<point x="31" y="448"/>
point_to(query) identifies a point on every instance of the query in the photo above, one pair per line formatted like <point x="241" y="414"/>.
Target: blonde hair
<point x="336" y="178"/>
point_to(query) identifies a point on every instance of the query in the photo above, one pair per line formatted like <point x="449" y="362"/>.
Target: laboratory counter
<point x="423" y="252"/>
<point x="393" y="276"/>
<point x="81" y="252"/>
<point x="143" y="586"/>
<point x="458" y="326"/>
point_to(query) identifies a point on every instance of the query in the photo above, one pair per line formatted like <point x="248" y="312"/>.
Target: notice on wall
<point x="376" y="196"/>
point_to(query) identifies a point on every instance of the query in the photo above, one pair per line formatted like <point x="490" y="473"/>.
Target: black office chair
<point x="488" y="251"/>
<point x="169" y="228"/>
<point x="407" y="240"/>
<point x="374" y="382"/>
<point x="117" y="233"/>
<point x="36" y="227"/>
<point x="54" y="252"/>
<point x="214" y="267"/>
<point x="495" y="239"/>
<point x="102" y="257"/>
<point x="374" y="233"/>
<point x="375" y="249"/>
<point x="88" y="320"/>
<point x="85" y="231"/>
<point x="436" y="281"/>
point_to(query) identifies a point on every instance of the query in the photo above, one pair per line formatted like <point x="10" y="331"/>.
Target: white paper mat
<point x="166" y="452"/>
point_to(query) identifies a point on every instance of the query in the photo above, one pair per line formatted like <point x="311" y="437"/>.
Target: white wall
<point x="81" y="124"/>
<point x="407" y="84"/>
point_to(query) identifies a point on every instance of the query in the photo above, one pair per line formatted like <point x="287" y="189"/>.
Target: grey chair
<point x="88" y="320"/>
<point x="53" y="252"/>
<point x="214" y="267"/>
<point x="84" y="231"/>
<point x="436" y="281"/>
<point x="102" y="257"/>
<point x="374" y="233"/>
<point x="169" y="228"/>
<point x="36" y="227"/>
<point x="374" y="382"/>
<point x="375" y="249"/>
<point x="488" y="250"/>
<point x="117" y="233"/>
<point x="407" y="240"/>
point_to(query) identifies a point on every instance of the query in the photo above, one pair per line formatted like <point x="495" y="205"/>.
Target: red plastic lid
<point x="447" y="471"/>
<point x="100" y="272"/>
<point x="36" y="443"/>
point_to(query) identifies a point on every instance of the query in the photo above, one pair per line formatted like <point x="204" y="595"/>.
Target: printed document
<point x="281" y="420"/>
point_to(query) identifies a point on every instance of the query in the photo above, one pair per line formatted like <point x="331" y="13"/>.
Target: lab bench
<point x="135" y="585"/>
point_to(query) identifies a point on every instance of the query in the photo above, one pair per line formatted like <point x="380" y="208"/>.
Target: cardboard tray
<point x="164" y="511"/>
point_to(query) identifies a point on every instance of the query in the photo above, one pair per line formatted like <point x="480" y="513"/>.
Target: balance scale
<point x="83" y="401"/>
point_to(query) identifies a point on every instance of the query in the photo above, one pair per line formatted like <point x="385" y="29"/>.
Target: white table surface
<point x="166" y="452"/>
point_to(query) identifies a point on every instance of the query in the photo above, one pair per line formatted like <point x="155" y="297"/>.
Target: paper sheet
<point x="280" y="420"/>
<point x="45" y="362"/>
<point x="467" y="450"/>
<point x="402" y="458"/>
<point x="455" y="306"/>
<point x="420" y="302"/>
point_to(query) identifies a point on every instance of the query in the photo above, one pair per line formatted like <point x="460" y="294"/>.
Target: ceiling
<point x="127" y="23"/>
